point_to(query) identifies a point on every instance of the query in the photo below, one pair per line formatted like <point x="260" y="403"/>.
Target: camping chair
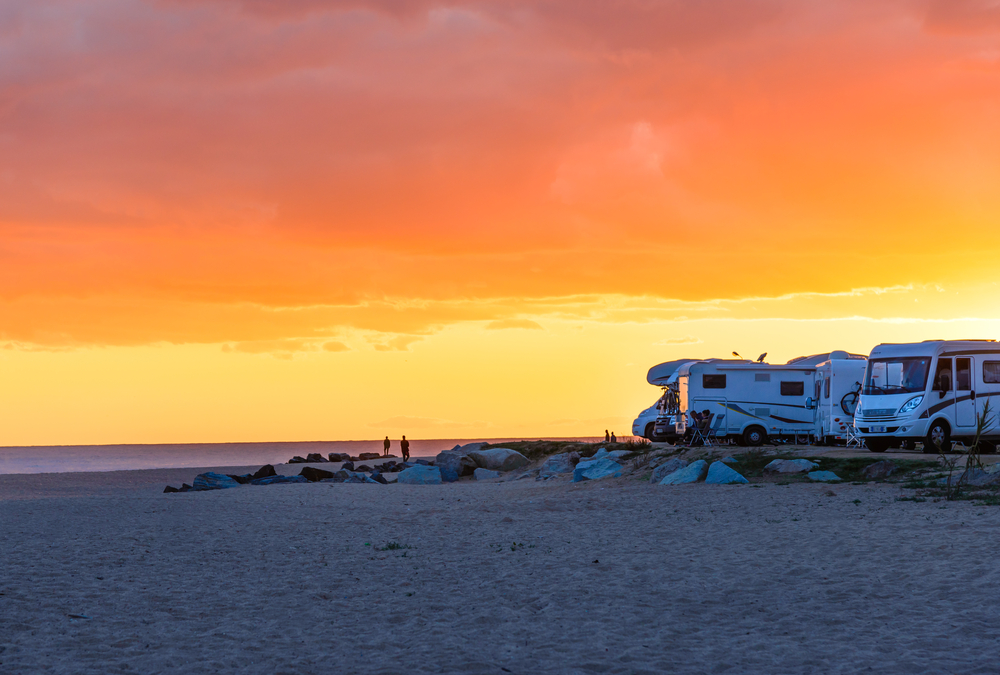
<point x="853" y="440"/>
<point x="713" y="432"/>
<point x="700" y="430"/>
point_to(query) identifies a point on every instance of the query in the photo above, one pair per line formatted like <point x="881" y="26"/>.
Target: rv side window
<point x="793" y="388"/>
<point x="713" y="381"/>
<point x="826" y="388"/>
<point x="991" y="372"/>
<point x="942" y="376"/>
<point x="963" y="374"/>
<point x="762" y="377"/>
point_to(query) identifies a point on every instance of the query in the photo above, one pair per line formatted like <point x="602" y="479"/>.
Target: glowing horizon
<point x="255" y="220"/>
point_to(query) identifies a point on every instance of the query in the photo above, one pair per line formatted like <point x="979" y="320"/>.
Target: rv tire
<point x="877" y="444"/>
<point x="938" y="439"/>
<point x="650" y="430"/>
<point x="754" y="436"/>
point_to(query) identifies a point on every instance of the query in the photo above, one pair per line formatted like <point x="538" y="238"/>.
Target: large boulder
<point x="667" y="468"/>
<point x="420" y="475"/>
<point x="316" y="458"/>
<point x="720" y="474"/>
<point x="298" y="460"/>
<point x="595" y="469"/>
<point x="278" y="480"/>
<point x="499" y="459"/>
<point x="369" y="455"/>
<point x="879" y="470"/>
<point x="314" y="475"/>
<point x="790" y="466"/>
<point x="263" y="472"/>
<point x="692" y="473"/>
<point x="973" y="477"/>
<point x="823" y="476"/>
<point x="559" y="464"/>
<point x="340" y="457"/>
<point x="454" y="464"/>
<point x="486" y="474"/>
<point x="213" y="481"/>
<point x="614" y="454"/>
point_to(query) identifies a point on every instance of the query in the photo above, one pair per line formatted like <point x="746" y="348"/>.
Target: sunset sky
<point x="226" y="220"/>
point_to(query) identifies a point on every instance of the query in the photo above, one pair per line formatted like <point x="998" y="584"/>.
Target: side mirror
<point x="941" y="393"/>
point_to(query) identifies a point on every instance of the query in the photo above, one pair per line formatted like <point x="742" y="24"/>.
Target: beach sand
<point x="615" y="576"/>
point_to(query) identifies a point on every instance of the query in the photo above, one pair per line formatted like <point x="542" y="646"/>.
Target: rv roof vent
<point x="762" y="377"/>
<point x="839" y="355"/>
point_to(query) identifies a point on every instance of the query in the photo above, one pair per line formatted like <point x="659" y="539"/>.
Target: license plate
<point x="878" y="430"/>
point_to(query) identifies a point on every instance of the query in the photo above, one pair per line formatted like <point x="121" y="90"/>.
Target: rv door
<point x="965" y="394"/>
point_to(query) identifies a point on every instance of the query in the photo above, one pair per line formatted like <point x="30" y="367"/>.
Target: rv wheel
<point x="754" y="436"/>
<point x="877" y="444"/>
<point x="938" y="439"/>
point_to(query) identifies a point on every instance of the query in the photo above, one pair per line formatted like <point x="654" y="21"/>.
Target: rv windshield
<point x="896" y="376"/>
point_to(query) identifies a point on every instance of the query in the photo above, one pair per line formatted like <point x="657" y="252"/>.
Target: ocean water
<point x="74" y="458"/>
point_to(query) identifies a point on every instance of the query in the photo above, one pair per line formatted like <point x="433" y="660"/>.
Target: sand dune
<point x="609" y="577"/>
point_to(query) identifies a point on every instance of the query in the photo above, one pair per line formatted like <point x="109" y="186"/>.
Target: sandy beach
<point x="615" y="576"/>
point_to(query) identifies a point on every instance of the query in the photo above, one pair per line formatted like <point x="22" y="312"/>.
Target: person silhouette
<point x="404" y="446"/>
<point x="385" y="444"/>
<point x="613" y="438"/>
<point x="607" y="437"/>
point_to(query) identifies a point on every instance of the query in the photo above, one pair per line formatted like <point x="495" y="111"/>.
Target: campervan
<point x="749" y="402"/>
<point x="838" y="385"/>
<point x="932" y="392"/>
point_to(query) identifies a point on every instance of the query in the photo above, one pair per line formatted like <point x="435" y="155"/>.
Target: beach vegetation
<point x="392" y="546"/>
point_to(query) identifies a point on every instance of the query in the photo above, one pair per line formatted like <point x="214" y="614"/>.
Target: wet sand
<point x="615" y="576"/>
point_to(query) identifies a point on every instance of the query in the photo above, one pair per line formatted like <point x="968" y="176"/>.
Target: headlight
<point x="911" y="405"/>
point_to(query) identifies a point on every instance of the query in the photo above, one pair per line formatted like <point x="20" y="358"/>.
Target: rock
<point x="667" y="468"/>
<point x="879" y="470"/>
<point x="316" y="458"/>
<point x="339" y="457"/>
<point x="363" y="468"/>
<point x="369" y="455"/>
<point x="298" y="460"/>
<point x="277" y="480"/>
<point x="243" y="479"/>
<point x="823" y="476"/>
<point x="348" y="465"/>
<point x="263" y="472"/>
<point x="314" y="475"/>
<point x="614" y="454"/>
<point x="692" y="473"/>
<point x="379" y="478"/>
<point x="973" y="477"/>
<point x="184" y="488"/>
<point x="790" y="466"/>
<point x="169" y="489"/>
<point x="420" y="475"/>
<point x="454" y="464"/>
<point x="558" y="464"/>
<point x="486" y="474"/>
<point x="469" y="447"/>
<point x="499" y="459"/>
<point x="729" y="460"/>
<point x="720" y="474"/>
<point x="213" y="481"/>
<point x="358" y="477"/>
<point x="595" y="469"/>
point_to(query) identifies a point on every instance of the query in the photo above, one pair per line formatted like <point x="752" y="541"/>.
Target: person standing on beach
<point x="404" y="446"/>
<point x="385" y="444"/>
<point x="613" y="439"/>
<point x="607" y="438"/>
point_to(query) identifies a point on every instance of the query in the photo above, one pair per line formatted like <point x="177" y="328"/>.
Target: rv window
<point x="991" y="372"/>
<point x="762" y="377"/>
<point x="826" y="388"/>
<point x="793" y="388"/>
<point x="963" y="374"/>
<point x="942" y="376"/>
<point x="713" y="381"/>
<point x="896" y="376"/>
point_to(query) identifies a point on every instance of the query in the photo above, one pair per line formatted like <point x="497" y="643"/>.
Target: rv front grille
<point x="878" y="412"/>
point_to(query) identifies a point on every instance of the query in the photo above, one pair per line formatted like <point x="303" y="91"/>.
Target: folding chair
<point x="700" y="431"/>
<point x="853" y="440"/>
<point x="713" y="432"/>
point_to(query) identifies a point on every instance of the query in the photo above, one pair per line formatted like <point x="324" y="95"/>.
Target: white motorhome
<point x="838" y="385"/>
<point x="931" y="392"/>
<point x="750" y="402"/>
